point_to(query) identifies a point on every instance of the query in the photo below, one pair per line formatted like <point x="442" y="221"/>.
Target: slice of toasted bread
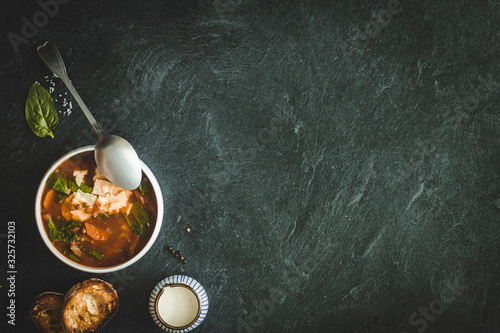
<point x="46" y="312"/>
<point x="88" y="305"/>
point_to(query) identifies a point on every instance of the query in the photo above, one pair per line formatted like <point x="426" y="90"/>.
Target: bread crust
<point x="88" y="306"/>
<point x="45" y="311"/>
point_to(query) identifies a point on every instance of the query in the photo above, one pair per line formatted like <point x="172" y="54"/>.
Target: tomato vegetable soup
<point x="92" y="221"/>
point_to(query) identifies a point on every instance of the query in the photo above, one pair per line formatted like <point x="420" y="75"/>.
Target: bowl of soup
<point x="92" y="224"/>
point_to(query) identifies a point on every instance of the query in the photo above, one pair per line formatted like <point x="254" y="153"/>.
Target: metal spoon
<point x="114" y="156"/>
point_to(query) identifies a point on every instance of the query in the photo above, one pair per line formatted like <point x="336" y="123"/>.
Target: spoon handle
<point x="52" y="58"/>
<point x="96" y="127"/>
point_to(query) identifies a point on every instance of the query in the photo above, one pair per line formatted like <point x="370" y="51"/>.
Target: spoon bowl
<point x="115" y="156"/>
<point x="111" y="154"/>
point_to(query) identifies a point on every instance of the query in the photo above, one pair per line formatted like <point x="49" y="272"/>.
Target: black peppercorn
<point x="178" y="254"/>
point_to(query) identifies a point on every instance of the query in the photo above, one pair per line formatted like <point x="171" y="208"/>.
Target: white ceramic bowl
<point x="60" y="256"/>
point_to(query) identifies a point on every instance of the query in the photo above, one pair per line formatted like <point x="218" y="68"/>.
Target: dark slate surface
<point x="336" y="161"/>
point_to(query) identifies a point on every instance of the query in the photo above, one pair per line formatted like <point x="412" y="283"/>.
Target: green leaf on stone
<point x="41" y="113"/>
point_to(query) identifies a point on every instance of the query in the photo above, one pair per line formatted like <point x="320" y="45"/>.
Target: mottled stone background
<point x="335" y="161"/>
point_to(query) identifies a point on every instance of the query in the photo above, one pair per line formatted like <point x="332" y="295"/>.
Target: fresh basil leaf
<point x="40" y="111"/>
<point x="51" y="178"/>
<point x="72" y="186"/>
<point x="85" y="188"/>
<point x="61" y="185"/>
<point x="145" y="186"/>
<point x="66" y="186"/>
<point x="139" y="220"/>
<point x="67" y="252"/>
<point x="140" y="214"/>
<point x="94" y="254"/>
<point x="51" y="224"/>
<point x="57" y="235"/>
<point x="71" y="237"/>
<point x="70" y="224"/>
<point x="132" y="223"/>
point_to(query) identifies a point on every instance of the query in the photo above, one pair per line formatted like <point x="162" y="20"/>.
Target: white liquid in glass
<point x="178" y="306"/>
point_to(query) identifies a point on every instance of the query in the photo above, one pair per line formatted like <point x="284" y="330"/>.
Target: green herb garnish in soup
<point x="138" y="221"/>
<point x="145" y="186"/>
<point x="92" y="221"/>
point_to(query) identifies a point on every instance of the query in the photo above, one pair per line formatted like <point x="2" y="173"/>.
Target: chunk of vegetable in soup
<point x="92" y="221"/>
